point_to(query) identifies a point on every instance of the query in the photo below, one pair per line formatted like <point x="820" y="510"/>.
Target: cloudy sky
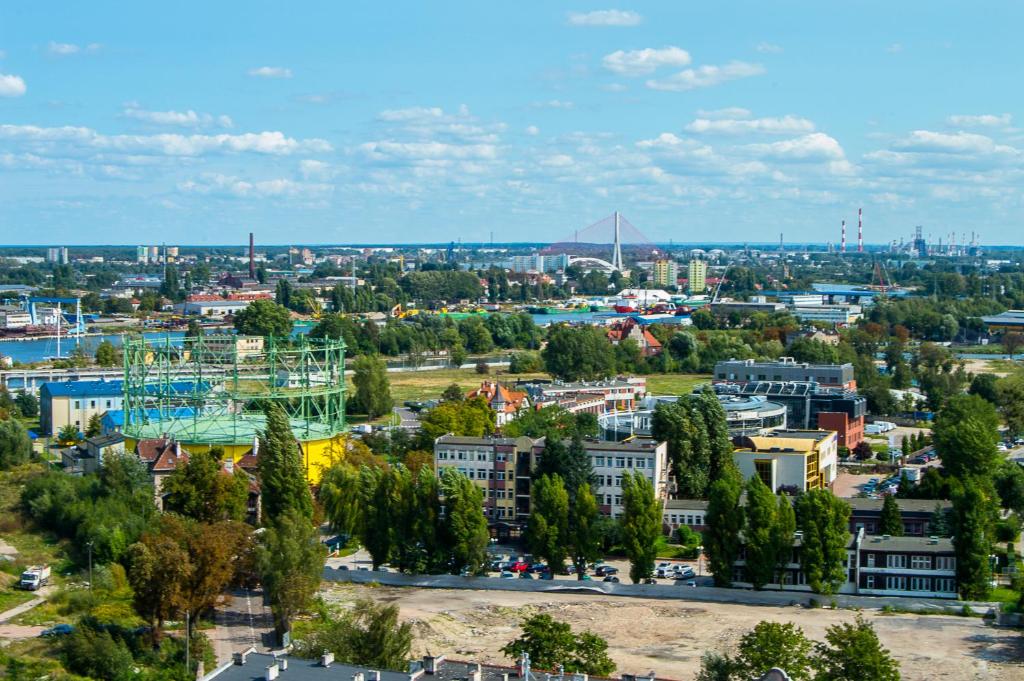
<point x="431" y="121"/>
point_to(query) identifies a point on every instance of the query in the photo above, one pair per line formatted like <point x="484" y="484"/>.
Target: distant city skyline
<point x="324" y="123"/>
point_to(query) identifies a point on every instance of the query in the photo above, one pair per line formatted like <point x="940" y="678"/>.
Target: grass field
<point x="675" y="384"/>
<point x="427" y="385"/>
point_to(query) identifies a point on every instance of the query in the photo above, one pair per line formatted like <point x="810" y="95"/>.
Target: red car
<point x="519" y="567"/>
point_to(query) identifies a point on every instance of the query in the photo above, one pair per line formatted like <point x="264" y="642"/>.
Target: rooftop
<point x="909" y="544"/>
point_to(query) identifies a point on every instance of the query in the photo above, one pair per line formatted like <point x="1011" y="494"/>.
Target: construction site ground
<point x="670" y="637"/>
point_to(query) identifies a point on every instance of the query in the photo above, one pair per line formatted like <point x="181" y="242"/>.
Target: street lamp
<point x="89" y="545"/>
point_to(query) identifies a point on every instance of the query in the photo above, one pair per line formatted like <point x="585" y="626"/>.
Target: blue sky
<point x="411" y="122"/>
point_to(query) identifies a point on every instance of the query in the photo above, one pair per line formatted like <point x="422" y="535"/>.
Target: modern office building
<point x="809" y="405"/>
<point x="916" y="567"/>
<point x="785" y="369"/>
<point x="791" y="460"/>
<point x="837" y="315"/>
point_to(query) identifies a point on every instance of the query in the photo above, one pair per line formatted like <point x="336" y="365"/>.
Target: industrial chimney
<point x="842" y="242"/>
<point x="860" y="230"/>
<point x="252" y="257"/>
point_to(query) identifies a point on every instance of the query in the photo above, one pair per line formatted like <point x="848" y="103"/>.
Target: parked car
<point x="649" y="580"/>
<point x="519" y="567"/>
<point x="57" y="630"/>
<point x="685" y="572"/>
<point x="506" y="574"/>
<point x="537" y="567"/>
<point x="605" y="570"/>
<point x="665" y="570"/>
<point x="611" y="578"/>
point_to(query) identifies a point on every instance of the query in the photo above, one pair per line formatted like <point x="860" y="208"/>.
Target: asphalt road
<point x="241" y="623"/>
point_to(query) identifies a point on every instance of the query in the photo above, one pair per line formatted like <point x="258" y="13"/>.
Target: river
<point x="39" y="349"/>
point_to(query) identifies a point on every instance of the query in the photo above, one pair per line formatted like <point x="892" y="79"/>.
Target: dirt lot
<point x="670" y="636"/>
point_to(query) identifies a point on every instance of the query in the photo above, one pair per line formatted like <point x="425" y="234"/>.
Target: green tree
<point x="824" y="521"/>
<point x="380" y="499"/>
<point x="15" y="444"/>
<point x="584" y="534"/>
<point x="552" y="645"/>
<point x="548" y="527"/>
<point x="972" y="539"/>
<point x="202" y="490"/>
<point x="27" y="404"/>
<point x="783" y="534"/>
<point x="680" y="426"/>
<point x="96" y="655"/>
<point x="339" y="495"/>
<point x="774" y="644"/>
<point x="854" y="653"/>
<point x="724" y="520"/>
<point x="264" y="318"/>
<point x="473" y="418"/>
<point x="760" y="520"/>
<point x="106" y="354"/>
<point x="891" y="521"/>
<point x="372" y="390"/>
<point x="282" y="480"/>
<point x="368" y="635"/>
<point x="291" y="560"/>
<point x="578" y="353"/>
<point x="641" y="524"/>
<point x="68" y="434"/>
<point x="169" y="287"/>
<point x="453" y="393"/>
<point x="966" y="433"/>
<point x="94" y="426"/>
<point x="465" y="522"/>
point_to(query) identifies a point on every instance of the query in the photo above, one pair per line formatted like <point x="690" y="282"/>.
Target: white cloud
<point x="981" y="120"/>
<point x="705" y="76"/>
<point x="313" y="169"/>
<point x="786" y="125"/>
<point x="615" y="87"/>
<point x="227" y="185"/>
<point x="532" y="130"/>
<point x="814" y="147"/>
<point x="553" y="104"/>
<point x="727" y="112"/>
<point x="388" y="150"/>
<point x="768" y="48"/>
<point x="415" y="113"/>
<point x="56" y="49"/>
<point x="184" y="119"/>
<point x="926" y="141"/>
<point x="895" y="48"/>
<point x="11" y="86"/>
<point x="604" y="17"/>
<point x="271" y="72"/>
<point x="557" y="161"/>
<point x="64" y="140"/>
<point x="643" y="62"/>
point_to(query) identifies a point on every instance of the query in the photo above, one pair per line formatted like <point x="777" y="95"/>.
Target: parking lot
<point x="360" y="560"/>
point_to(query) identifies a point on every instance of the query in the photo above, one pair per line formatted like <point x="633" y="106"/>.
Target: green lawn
<point x="675" y="384"/>
<point x="12" y="598"/>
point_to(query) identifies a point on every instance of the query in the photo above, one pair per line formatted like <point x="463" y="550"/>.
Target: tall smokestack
<point x="842" y="241"/>
<point x="252" y="257"/>
<point x="860" y="230"/>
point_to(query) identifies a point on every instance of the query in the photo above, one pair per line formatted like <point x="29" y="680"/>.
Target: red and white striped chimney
<point x="842" y="242"/>
<point x="860" y="230"/>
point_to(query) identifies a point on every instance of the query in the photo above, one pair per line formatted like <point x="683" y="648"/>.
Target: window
<point x="501" y="475"/>
<point x="946" y="585"/>
<point x="618" y="500"/>
<point x="78" y="404"/>
<point x="481" y="456"/>
<point x="462" y="456"/>
<point x="921" y="562"/>
<point x="502" y="456"/>
<point x="92" y="404"/>
<point x="871" y="560"/>
<point x="945" y="563"/>
<point x="896" y="560"/>
<point x="869" y="582"/>
<point x="108" y="404"/>
<point x="919" y="584"/>
<point x="618" y="481"/>
<point x="620" y="462"/>
<point x="598" y="460"/>
<point x="763" y="468"/>
<point x="896" y="583"/>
